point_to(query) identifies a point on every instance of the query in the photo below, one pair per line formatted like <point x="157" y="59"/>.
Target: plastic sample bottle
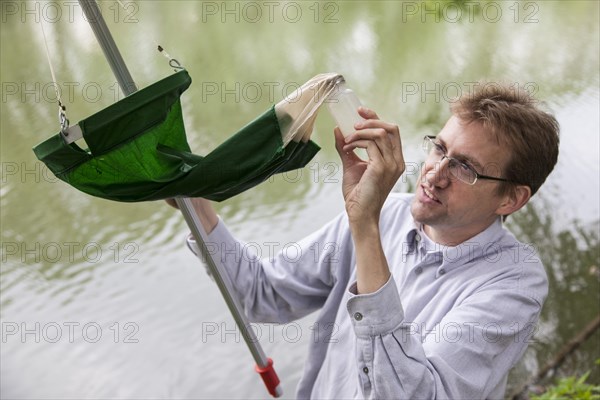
<point x="342" y="105"/>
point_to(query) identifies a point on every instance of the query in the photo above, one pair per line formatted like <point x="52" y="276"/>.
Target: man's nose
<point x="438" y="173"/>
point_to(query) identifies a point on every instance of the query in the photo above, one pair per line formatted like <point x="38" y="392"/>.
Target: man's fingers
<point x="377" y="123"/>
<point x="380" y="139"/>
<point x="172" y="203"/>
<point x="385" y="149"/>
<point x="379" y="136"/>
<point x="373" y="150"/>
<point x="369" y="127"/>
<point x="346" y="154"/>
<point x="367" y="113"/>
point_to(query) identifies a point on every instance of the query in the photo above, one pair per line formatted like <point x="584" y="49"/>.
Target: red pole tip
<point x="270" y="378"/>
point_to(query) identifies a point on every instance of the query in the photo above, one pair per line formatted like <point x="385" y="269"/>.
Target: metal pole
<point x="108" y="45"/>
<point x="264" y="365"/>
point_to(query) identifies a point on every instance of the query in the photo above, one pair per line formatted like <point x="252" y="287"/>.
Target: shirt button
<point x="417" y="237"/>
<point x="358" y="316"/>
<point x="442" y="271"/>
<point x="366" y="370"/>
<point x="418" y="270"/>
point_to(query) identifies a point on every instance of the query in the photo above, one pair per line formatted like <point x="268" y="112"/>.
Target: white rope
<point x="62" y="116"/>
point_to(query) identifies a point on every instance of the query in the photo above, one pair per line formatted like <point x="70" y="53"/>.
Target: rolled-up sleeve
<point x="378" y="319"/>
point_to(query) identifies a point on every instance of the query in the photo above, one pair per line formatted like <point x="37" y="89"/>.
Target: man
<point x="425" y="295"/>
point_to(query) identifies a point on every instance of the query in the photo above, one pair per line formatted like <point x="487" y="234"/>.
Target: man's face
<point x="453" y="211"/>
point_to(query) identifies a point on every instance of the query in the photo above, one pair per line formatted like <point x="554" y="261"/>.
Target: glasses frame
<point x="431" y="139"/>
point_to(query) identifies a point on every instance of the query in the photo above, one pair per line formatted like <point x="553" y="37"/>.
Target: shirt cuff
<point x="220" y="234"/>
<point x="215" y="241"/>
<point x="377" y="313"/>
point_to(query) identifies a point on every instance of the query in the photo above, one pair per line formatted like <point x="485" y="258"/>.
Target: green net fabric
<point x="138" y="151"/>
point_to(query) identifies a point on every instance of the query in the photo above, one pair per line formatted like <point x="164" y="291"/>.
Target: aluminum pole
<point x="264" y="365"/>
<point x="111" y="52"/>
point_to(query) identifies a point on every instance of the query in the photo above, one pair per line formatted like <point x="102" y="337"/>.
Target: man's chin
<point x="416" y="211"/>
<point x="420" y="214"/>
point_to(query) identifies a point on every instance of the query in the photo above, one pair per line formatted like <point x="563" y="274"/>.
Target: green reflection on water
<point x="571" y="256"/>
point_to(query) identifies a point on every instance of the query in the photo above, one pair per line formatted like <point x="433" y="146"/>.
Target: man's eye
<point x="465" y="167"/>
<point x="438" y="148"/>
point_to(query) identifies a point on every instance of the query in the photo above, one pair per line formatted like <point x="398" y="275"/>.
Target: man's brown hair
<point x="516" y="120"/>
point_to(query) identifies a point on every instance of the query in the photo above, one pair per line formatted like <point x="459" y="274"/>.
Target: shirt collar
<point x="454" y="256"/>
<point x="410" y="242"/>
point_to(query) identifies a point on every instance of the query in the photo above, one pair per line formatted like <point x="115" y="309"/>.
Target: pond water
<point x="102" y="299"/>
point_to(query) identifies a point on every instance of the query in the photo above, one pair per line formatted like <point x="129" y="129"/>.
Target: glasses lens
<point x="427" y="145"/>
<point x="462" y="171"/>
<point x="430" y="147"/>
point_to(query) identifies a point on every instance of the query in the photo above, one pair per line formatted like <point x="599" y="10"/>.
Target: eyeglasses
<point x="460" y="170"/>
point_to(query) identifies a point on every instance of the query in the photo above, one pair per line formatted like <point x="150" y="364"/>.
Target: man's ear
<point x="516" y="198"/>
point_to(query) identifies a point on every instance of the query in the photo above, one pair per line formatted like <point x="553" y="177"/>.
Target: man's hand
<point x="367" y="183"/>
<point x="206" y="213"/>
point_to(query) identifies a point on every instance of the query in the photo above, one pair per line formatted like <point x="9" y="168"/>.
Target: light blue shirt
<point x="450" y="322"/>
